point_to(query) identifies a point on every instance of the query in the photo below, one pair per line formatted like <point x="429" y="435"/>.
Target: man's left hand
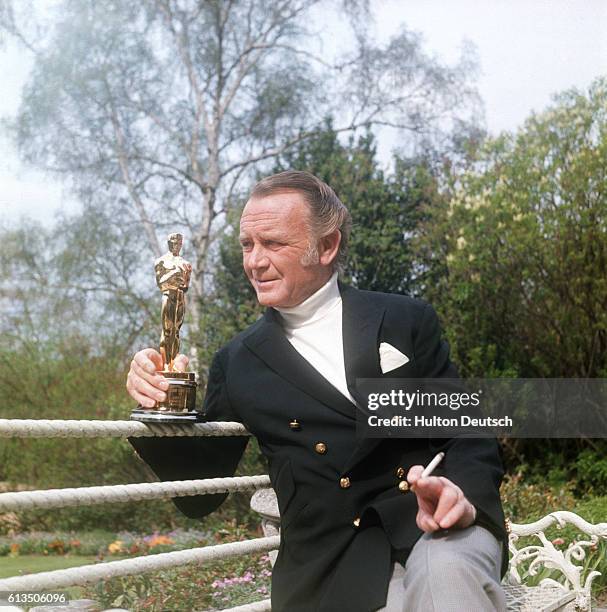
<point x="441" y="503"/>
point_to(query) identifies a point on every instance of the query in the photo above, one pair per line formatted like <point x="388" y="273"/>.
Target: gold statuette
<point x="173" y="278"/>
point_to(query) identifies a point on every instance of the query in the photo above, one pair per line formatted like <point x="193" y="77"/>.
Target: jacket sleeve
<point x="191" y="458"/>
<point x="474" y="464"/>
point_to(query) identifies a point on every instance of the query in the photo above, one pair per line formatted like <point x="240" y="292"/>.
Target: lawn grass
<point x="28" y="564"/>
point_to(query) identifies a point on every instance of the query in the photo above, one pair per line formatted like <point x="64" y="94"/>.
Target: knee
<point x="450" y="564"/>
<point x="458" y="557"/>
<point x="446" y="570"/>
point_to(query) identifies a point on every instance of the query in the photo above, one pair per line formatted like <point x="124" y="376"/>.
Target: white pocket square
<point x="390" y="357"/>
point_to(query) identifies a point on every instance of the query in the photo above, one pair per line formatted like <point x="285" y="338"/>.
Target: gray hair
<point x="327" y="212"/>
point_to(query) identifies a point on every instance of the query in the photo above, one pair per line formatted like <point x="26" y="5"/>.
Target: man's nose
<point x="257" y="257"/>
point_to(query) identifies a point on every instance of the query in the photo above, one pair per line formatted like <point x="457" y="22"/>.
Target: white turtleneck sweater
<point x="314" y="329"/>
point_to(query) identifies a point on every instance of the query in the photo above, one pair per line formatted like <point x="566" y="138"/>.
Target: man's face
<point x="275" y="236"/>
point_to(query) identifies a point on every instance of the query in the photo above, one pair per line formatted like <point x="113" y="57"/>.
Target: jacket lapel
<point x="361" y="323"/>
<point x="270" y="344"/>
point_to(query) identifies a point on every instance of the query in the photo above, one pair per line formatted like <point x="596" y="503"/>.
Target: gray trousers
<point x="453" y="571"/>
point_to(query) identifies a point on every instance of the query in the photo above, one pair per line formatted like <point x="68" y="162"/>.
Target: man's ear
<point x="328" y="246"/>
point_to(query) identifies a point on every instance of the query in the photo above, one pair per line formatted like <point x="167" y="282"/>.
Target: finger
<point x="419" y="520"/>
<point x="414" y="474"/>
<point x="426" y="523"/>
<point x="449" y="497"/>
<point x="181" y="363"/>
<point x="149" y="359"/>
<point x="453" y="516"/>
<point x="430" y="488"/>
<point x="142" y="400"/>
<point x="156" y="380"/>
<point x="143" y="387"/>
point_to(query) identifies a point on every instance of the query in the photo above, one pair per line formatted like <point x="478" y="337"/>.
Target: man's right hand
<point x="144" y="382"/>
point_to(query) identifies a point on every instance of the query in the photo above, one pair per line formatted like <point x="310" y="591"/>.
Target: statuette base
<point x="179" y="405"/>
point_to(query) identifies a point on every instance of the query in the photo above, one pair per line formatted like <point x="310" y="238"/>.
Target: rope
<point x="127" y="567"/>
<point x="59" y="498"/>
<point x="56" y="428"/>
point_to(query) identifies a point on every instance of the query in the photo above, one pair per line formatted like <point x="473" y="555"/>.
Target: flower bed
<point x="102" y="543"/>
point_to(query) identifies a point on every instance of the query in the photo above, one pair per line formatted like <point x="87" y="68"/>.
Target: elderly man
<point x="360" y="530"/>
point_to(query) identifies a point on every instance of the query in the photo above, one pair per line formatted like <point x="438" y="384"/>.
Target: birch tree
<point x="159" y="112"/>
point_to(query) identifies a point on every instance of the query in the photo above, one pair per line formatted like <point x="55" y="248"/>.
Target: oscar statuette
<point x="173" y="278"/>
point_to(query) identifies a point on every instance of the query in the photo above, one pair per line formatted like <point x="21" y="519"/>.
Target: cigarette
<point x="430" y="467"/>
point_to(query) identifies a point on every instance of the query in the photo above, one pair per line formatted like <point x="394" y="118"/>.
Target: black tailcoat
<point x="326" y="562"/>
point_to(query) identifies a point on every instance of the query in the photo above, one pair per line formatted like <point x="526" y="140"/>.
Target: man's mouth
<point x="264" y="283"/>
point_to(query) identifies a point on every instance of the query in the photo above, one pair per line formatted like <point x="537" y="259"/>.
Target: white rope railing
<point x="127" y="567"/>
<point x="57" y="498"/>
<point x="46" y="428"/>
<point x="61" y="498"/>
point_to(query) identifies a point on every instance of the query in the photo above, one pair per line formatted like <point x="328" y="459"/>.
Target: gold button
<point x="403" y="486"/>
<point x="400" y="472"/>
<point x="344" y="483"/>
<point x="320" y="448"/>
<point x="295" y="425"/>
<point x="356" y="522"/>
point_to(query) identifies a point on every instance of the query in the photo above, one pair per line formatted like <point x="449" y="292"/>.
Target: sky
<point x="528" y="50"/>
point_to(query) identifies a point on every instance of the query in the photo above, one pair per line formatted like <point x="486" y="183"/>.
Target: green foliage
<point x="231" y="305"/>
<point x="385" y="207"/>
<point x="124" y="592"/>
<point x="525" y="501"/>
<point x="62" y="378"/>
<point x="218" y="585"/>
<point x="522" y="247"/>
<point x="591" y="471"/>
<point x="516" y="261"/>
